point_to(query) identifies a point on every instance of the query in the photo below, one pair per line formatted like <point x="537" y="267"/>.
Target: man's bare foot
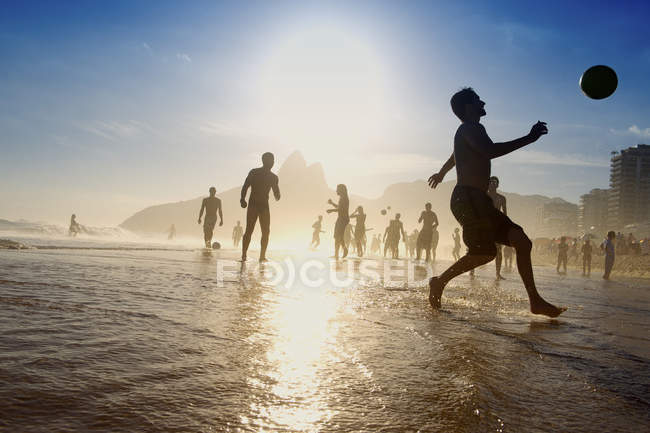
<point x="543" y="307"/>
<point x="345" y="252"/>
<point x="435" y="292"/>
<point x="263" y="259"/>
<point x="500" y="277"/>
<point x="243" y="258"/>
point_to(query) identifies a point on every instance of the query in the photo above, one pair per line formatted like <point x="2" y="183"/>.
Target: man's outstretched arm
<point x="437" y="178"/>
<point x="481" y="142"/>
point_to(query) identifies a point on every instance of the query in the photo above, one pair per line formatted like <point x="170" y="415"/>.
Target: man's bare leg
<point x="265" y="224"/>
<point x="464" y="264"/>
<point x="523" y="246"/>
<point x="337" y="247"/>
<point x="498" y="260"/>
<point x="251" y="220"/>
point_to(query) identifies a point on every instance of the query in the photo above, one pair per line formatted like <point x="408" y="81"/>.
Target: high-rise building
<point x="592" y="211"/>
<point x="629" y="197"/>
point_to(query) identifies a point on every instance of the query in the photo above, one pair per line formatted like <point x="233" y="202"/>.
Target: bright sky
<point x="106" y="108"/>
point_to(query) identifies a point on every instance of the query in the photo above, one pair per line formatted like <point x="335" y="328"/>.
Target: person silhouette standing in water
<point x="507" y="258"/>
<point x="375" y="245"/>
<point x="315" y="237"/>
<point x="342" y="220"/>
<point x="429" y="220"/>
<point x="392" y="236"/>
<point x="75" y="227"/>
<point x="413" y="242"/>
<point x="483" y="225"/>
<point x="435" y="237"/>
<point x="610" y="253"/>
<point x="171" y="232"/>
<point x="456" y="237"/>
<point x="211" y="205"/>
<point x="237" y="233"/>
<point x="386" y="236"/>
<point x="260" y="180"/>
<point x="499" y="203"/>
<point x="359" y="229"/>
<point x="562" y="254"/>
<point x="586" y="251"/>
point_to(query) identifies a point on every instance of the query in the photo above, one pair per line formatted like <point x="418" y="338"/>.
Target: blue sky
<point x="106" y="108"/>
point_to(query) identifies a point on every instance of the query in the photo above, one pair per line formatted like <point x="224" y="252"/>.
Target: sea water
<point x="129" y="339"/>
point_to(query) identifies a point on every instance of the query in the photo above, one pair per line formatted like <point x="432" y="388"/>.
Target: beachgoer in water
<point x="342" y="220"/>
<point x="435" y="237"/>
<point x="586" y="251"/>
<point x="499" y="203"/>
<point x="260" y="180"/>
<point x="315" y="236"/>
<point x="483" y="225"/>
<point x="375" y="246"/>
<point x="394" y="232"/>
<point x="211" y="205"/>
<point x="429" y="221"/>
<point x="75" y="227"/>
<point x="413" y="242"/>
<point x="456" y="251"/>
<point x="610" y="254"/>
<point x="359" y="229"/>
<point x="507" y="257"/>
<point x="171" y="232"/>
<point x="237" y="233"/>
<point x="562" y="250"/>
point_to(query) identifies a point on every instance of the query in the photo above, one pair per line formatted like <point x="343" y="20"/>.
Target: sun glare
<point x="322" y="86"/>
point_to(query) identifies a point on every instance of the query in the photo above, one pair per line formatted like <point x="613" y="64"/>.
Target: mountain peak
<point x="294" y="163"/>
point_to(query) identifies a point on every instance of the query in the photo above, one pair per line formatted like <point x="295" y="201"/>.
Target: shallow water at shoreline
<point x="156" y="340"/>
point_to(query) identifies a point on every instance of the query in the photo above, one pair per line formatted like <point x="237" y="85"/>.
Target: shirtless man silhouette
<point x="237" y="233"/>
<point x="429" y="221"/>
<point x="260" y="180"/>
<point x="211" y="205"/>
<point x="483" y="225"/>
<point x="342" y="209"/>
<point x="394" y="232"/>
<point x="499" y="203"/>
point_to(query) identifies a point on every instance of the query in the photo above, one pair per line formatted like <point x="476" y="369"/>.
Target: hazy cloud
<point x="147" y="48"/>
<point x="224" y="129"/>
<point x="116" y="130"/>
<point x="183" y="57"/>
<point x="632" y="130"/>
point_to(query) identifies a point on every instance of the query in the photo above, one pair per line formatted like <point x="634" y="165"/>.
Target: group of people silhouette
<point x="475" y="204"/>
